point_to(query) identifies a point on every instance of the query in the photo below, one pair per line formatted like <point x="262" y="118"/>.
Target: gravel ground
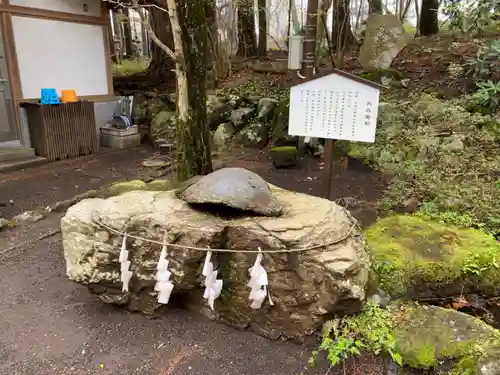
<point x="42" y="185"/>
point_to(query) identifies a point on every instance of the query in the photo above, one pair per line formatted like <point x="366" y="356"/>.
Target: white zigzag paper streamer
<point x="258" y="283"/>
<point x="213" y="287"/>
<point x="125" y="273"/>
<point x="163" y="284"/>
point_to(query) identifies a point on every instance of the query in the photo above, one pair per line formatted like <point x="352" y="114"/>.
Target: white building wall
<point x="82" y="7"/>
<point x="60" y="55"/>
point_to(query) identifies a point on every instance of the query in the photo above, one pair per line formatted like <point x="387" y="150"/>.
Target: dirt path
<point x="49" y="183"/>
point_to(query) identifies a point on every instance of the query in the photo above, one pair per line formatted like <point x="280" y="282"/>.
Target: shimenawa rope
<point x="185" y="247"/>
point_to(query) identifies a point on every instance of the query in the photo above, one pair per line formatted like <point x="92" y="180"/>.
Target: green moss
<point x="418" y="258"/>
<point x="125" y="186"/>
<point x="130" y="66"/>
<point x="423" y="356"/>
<point x="429" y="336"/>
<point x="7" y="224"/>
<point x="284" y="149"/>
<point x="162" y="185"/>
<point x="376" y="75"/>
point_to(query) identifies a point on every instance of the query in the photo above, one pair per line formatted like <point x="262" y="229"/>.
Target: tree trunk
<point x="190" y="34"/>
<point x="429" y="17"/>
<point x="375" y="6"/>
<point x="117" y="26"/>
<point x="324" y="7"/>
<point x="111" y="41"/>
<point x="146" y="45"/>
<point x="309" y="48"/>
<point x="160" y="66"/>
<point x="247" y="45"/>
<point x="262" y="28"/>
<point x="215" y="58"/>
<point x="127" y="35"/>
<point x="342" y="35"/>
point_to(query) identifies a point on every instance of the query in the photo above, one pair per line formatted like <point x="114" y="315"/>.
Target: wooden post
<point x="310" y="39"/>
<point x="308" y="72"/>
<point x="328" y="165"/>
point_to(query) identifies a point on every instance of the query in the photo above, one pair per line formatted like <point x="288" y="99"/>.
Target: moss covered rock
<point x="378" y="75"/>
<point x="163" y="126"/>
<point x="161" y="185"/>
<point x="453" y="343"/>
<point x="125" y="186"/>
<point x="137" y="185"/>
<point x="416" y="258"/>
<point x="255" y="135"/>
<point x="284" y="156"/>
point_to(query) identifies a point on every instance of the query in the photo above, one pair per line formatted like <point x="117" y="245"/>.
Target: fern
<point x="347" y="337"/>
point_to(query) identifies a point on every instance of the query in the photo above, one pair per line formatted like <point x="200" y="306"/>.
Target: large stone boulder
<point x="306" y="287"/>
<point x="385" y="37"/>
<point x="235" y="188"/>
<point x="421" y="259"/>
<point x="447" y="341"/>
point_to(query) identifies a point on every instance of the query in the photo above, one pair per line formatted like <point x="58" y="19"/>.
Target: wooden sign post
<point x="334" y="106"/>
<point x="328" y="165"/>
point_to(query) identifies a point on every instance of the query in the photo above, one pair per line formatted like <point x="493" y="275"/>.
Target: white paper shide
<point x="213" y="287"/>
<point x="163" y="285"/>
<point x="125" y="273"/>
<point x="258" y="283"/>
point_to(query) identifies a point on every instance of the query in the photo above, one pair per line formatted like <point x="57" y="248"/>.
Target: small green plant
<point x="430" y="211"/>
<point x="455" y="70"/>
<point x="256" y="88"/>
<point x="370" y="331"/>
<point x="468" y="17"/>
<point x="488" y="94"/>
<point x="486" y="62"/>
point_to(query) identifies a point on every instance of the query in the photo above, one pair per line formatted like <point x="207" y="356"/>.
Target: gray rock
<point x="240" y="116"/>
<point x="233" y="187"/>
<point x="266" y="108"/>
<point x="381" y="298"/>
<point x="218" y="110"/>
<point x="385" y="37"/>
<point x="489" y="365"/>
<point x="431" y="337"/>
<point x="255" y="135"/>
<point x="234" y="100"/>
<point x="29" y="217"/>
<point x="155" y="163"/>
<point x="223" y="134"/>
<point x="163" y="126"/>
<point x="306" y="287"/>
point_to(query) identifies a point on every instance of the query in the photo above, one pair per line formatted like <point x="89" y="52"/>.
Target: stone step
<point x="11" y="165"/>
<point x="15" y="153"/>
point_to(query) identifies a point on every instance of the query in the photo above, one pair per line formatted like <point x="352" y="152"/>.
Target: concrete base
<point x="9" y="166"/>
<point x="15" y="153"/>
<point x="120" y="142"/>
<point x="120" y="138"/>
<point x="12" y="158"/>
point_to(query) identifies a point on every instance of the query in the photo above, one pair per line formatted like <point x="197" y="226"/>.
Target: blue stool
<point x="49" y="96"/>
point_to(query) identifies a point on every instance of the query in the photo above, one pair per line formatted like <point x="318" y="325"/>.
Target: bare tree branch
<point x="149" y="29"/>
